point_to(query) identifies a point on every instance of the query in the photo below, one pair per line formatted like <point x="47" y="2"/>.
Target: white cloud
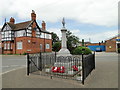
<point x="97" y="37"/>
<point x="1" y="26"/>
<point x="94" y="37"/>
<point x="98" y="12"/>
<point x="56" y="30"/>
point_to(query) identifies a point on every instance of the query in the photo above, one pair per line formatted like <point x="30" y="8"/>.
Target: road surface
<point x="12" y="62"/>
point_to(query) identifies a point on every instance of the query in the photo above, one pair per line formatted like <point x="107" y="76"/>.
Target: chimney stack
<point x="43" y="25"/>
<point x="33" y="15"/>
<point x="12" y="20"/>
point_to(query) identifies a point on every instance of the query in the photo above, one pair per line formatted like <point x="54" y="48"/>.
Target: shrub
<point x="56" y="46"/>
<point x="24" y="54"/>
<point x="79" y="51"/>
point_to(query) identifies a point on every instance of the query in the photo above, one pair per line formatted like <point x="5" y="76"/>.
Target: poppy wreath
<point x="75" y="68"/>
<point x="58" y="69"/>
<point x="55" y="69"/>
<point x="62" y="69"/>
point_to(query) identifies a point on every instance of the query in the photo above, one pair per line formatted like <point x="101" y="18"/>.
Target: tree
<point x="72" y="41"/>
<point x="56" y="46"/>
<point x="55" y="38"/>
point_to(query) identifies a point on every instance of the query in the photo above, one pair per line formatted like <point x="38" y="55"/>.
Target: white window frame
<point x="30" y="28"/>
<point x="11" y="46"/>
<point x="47" y="46"/>
<point x="41" y="47"/>
<point x="29" y="41"/>
<point x="6" y="34"/>
<point x="29" y="35"/>
<point x="42" y="35"/>
<point x="2" y="35"/>
<point x="29" y="31"/>
<point x="48" y="36"/>
<point x="0" y="45"/>
<point x="8" y="46"/>
<point x="5" y="46"/>
<point x="20" y="33"/>
<point x="19" y="45"/>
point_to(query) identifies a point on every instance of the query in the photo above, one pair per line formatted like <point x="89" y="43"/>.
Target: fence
<point x="38" y="61"/>
<point x="69" y="67"/>
<point x="88" y="64"/>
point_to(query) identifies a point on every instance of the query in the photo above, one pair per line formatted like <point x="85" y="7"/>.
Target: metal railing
<point x="69" y="67"/>
<point x="88" y="64"/>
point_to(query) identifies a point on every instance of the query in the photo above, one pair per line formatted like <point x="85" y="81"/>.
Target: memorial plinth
<point x="64" y="51"/>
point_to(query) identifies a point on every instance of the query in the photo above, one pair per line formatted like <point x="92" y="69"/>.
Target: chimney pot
<point x="43" y="25"/>
<point x="33" y="15"/>
<point x="12" y="20"/>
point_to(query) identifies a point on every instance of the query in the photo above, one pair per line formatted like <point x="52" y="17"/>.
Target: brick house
<point x="25" y="37"/>
<point x="113" y="44"/>
<point x="110" y="45"/>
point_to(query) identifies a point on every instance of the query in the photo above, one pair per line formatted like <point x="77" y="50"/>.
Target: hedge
<point x="79" y="50"/>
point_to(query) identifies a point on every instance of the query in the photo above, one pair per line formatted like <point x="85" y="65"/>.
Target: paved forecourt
<point x="104" y="76"/>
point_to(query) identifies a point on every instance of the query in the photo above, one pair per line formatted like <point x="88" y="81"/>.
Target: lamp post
<point x="82" y="42"/>
<point x="83" y="51"/>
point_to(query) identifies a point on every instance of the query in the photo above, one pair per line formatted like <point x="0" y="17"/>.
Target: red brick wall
<point x="7" y="51"/>
<point x="110" y="46"/>
<point x="33" y="46"/>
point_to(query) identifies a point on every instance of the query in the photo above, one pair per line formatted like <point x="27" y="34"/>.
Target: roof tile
<point x="19" y="26"/>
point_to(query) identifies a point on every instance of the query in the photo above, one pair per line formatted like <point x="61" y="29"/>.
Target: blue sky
<point x="84" y="28"/>
<point x="94" y="19"/>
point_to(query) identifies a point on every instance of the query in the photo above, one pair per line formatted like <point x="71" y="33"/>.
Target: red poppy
<point x="75" y="68"/>
<point x="55" y="69"/>
<point x="61" y="69"/>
